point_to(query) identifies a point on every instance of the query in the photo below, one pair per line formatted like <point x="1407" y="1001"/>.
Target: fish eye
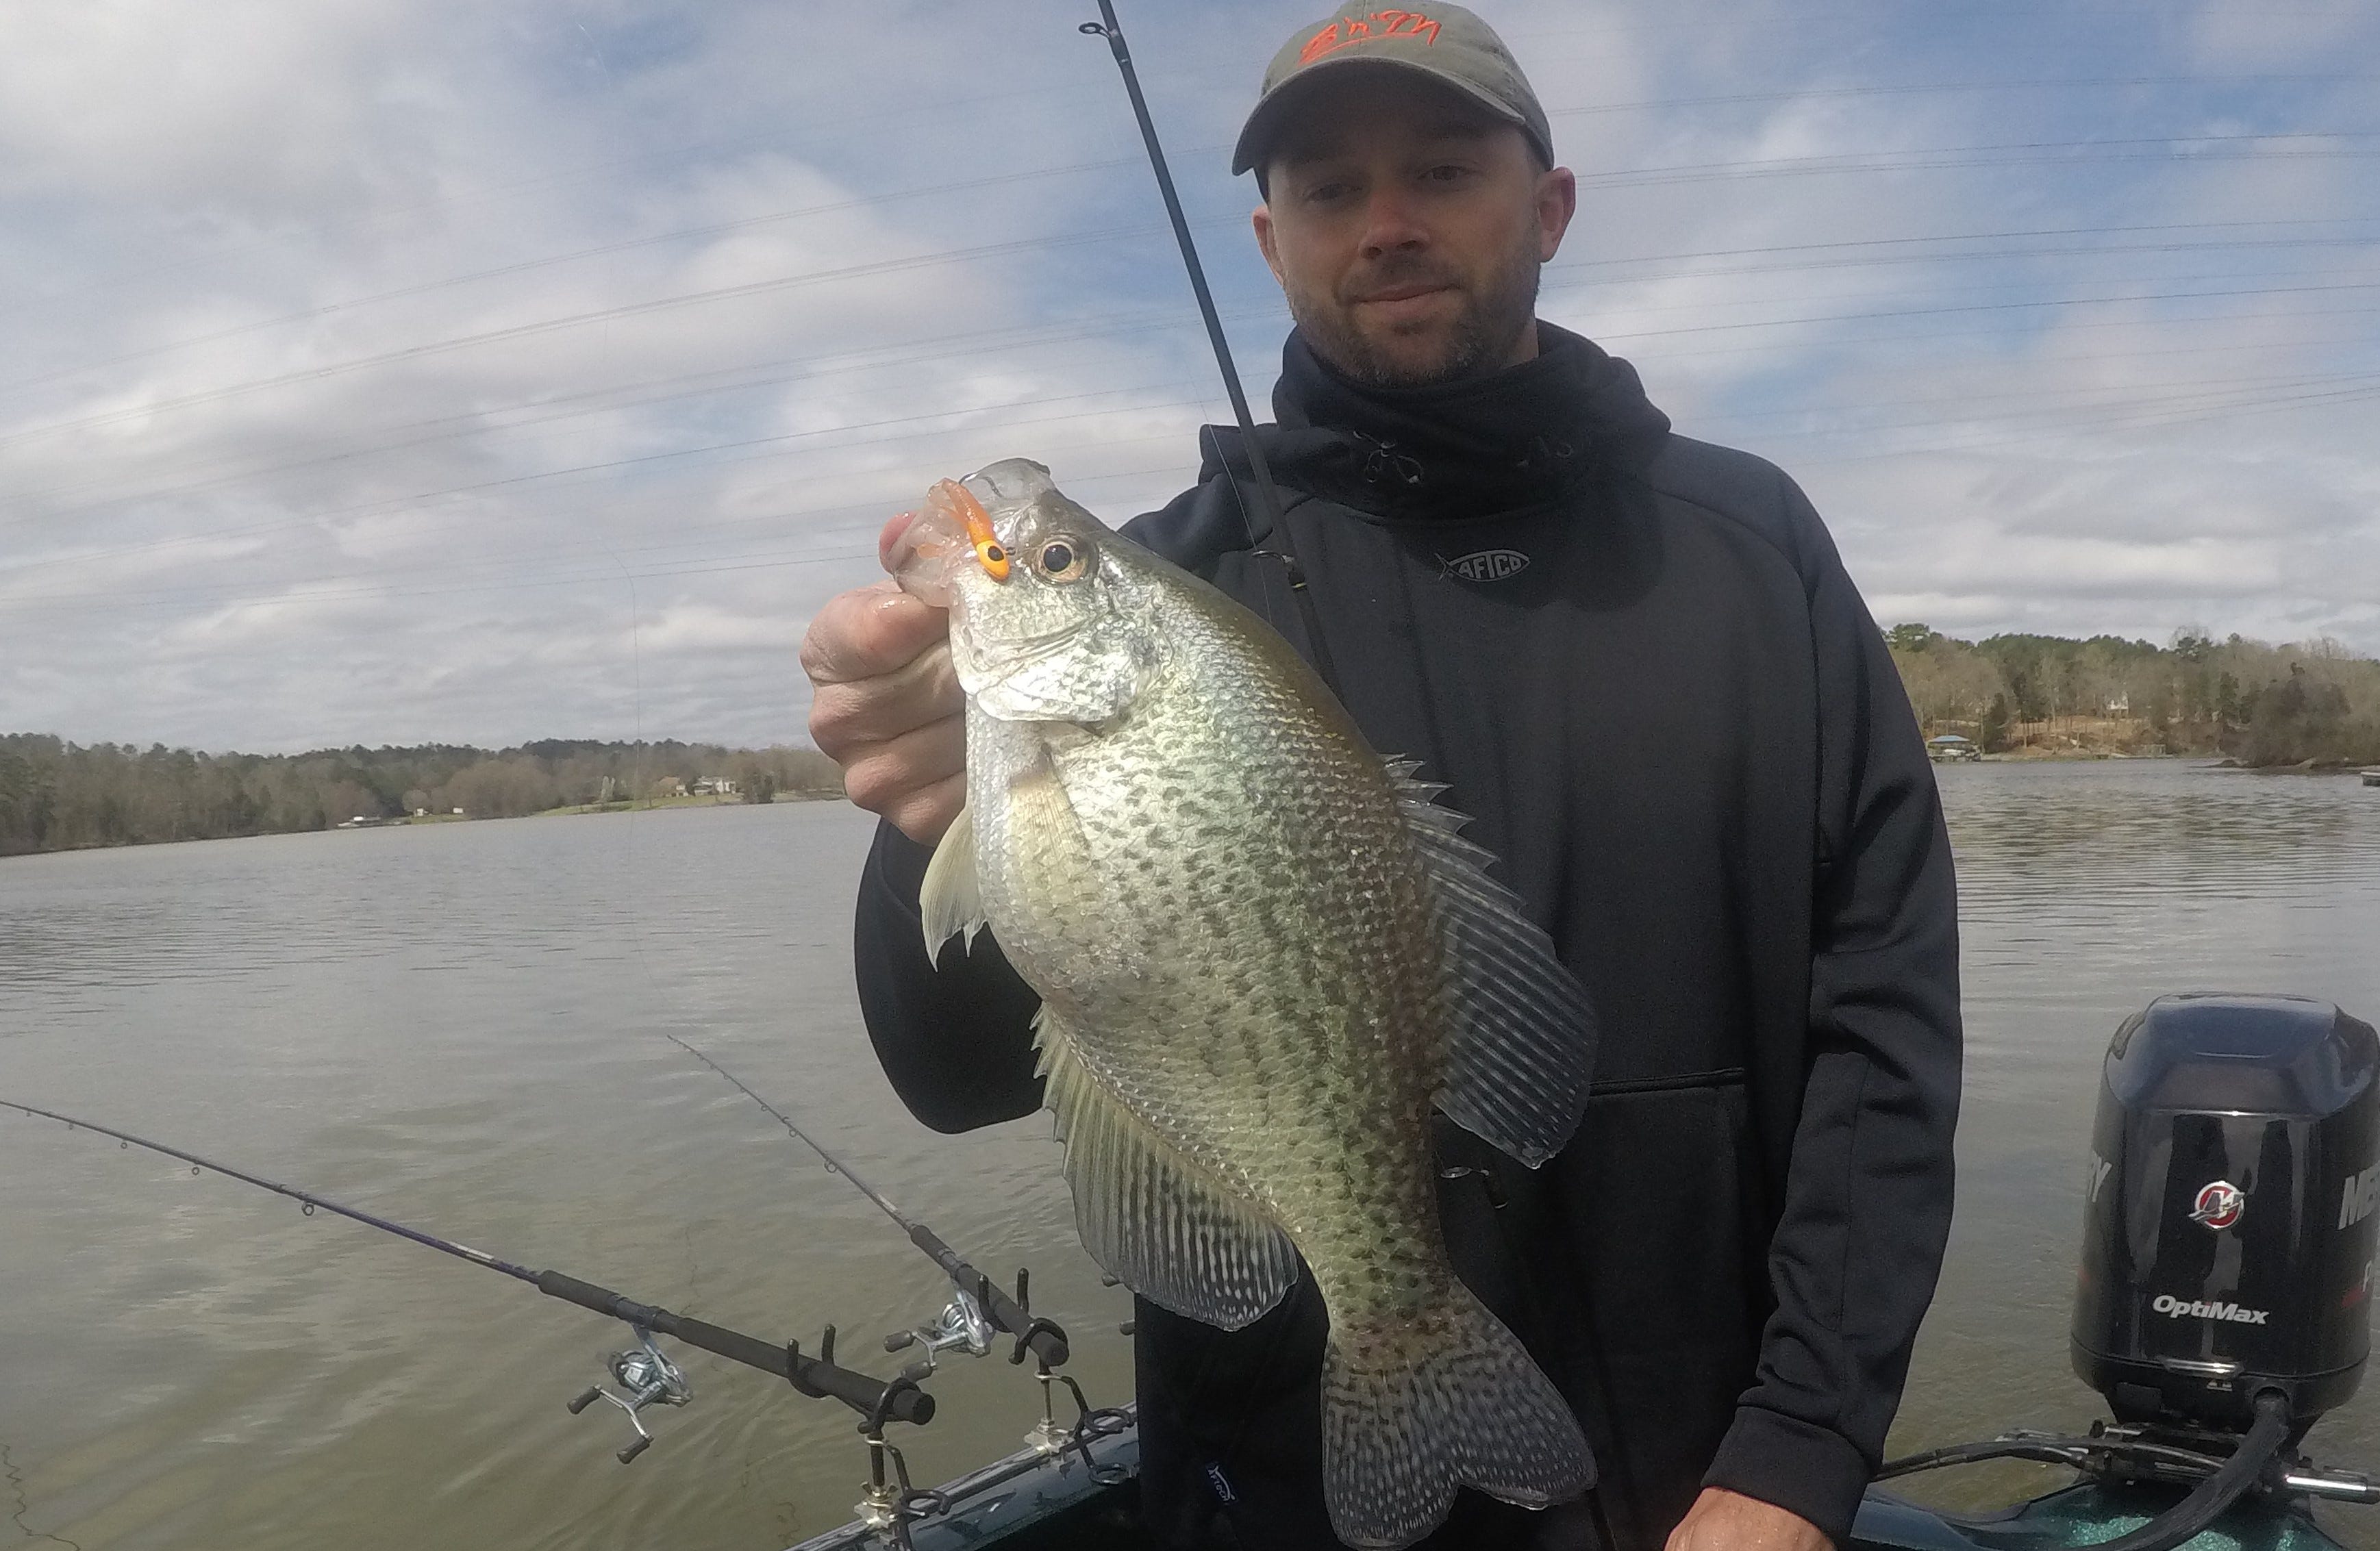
<point x="1062" y="560"/>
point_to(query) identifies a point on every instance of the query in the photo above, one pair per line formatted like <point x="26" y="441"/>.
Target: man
<point x="1638" y="662"/>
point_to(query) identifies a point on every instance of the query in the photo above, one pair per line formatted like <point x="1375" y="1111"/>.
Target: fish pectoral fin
<point x="949" y="900"/>
<point x="1157" y="1221"/>
<point x="1520" y="1048"/>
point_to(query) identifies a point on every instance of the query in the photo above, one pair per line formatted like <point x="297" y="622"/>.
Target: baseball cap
<point x="1445" y="42"/>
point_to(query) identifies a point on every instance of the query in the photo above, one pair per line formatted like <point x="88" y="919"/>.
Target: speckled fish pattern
<point x="1263" y="955"/>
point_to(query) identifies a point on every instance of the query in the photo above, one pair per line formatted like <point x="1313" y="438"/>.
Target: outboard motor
<point x="2225" y="1296"/>
<point x="2230" y="1216"/>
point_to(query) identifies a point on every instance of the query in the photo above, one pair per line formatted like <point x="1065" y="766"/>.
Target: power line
<point x="809" y="139"/>
<point x="478" y="422"/>
<point x="2152" y="409"/>
<point x="1632" y="177"/>
<point x="1095" y="329"/>
<point x="686" y="234"/>
<point x="748" y="445"/>
<point x="601" y="575"/>
<point x="2049" y="83"/>
<point x="579" y="320"/>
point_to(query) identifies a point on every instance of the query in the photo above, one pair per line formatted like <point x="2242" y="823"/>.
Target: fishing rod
<point x="643" y="1371"/>
<point x="980" y="1300"/>
<point x="976" y="1308"/>
<point x="1268" y="496"/>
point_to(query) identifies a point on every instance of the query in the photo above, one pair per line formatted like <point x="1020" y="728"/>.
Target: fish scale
<point x="1263" y="956"/>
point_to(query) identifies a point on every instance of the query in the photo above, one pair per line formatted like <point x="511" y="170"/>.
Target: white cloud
<point x="399" y="373"/>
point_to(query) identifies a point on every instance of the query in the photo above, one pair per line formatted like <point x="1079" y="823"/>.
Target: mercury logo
<point x="2176" y="1308"/>
<point x="2360" y="1196"/>
<point x="1489" y="565"/>
<point x="2219" y="1205"/>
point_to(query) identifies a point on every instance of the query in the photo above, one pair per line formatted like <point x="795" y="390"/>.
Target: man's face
<point x="1406" y="225"/>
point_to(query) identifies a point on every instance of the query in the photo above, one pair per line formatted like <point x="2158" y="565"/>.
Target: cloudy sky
<point x="397" y="370"/>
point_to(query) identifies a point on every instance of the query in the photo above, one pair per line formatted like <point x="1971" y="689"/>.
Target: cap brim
<point x="1265" y="123"/>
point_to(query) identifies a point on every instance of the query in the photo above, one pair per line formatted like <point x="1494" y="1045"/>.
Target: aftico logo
<point x="2177" y="1308"/>
<point x="1489" y="565"/>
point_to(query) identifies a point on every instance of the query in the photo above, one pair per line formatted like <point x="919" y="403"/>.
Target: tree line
<point x="2265" y="706"/>
<point x="56" y="795"/>
<point x="2261" y="705"/>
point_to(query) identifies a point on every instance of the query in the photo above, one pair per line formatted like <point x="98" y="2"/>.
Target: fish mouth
<point x="924" y="556"/>
<point x="924" y="550"/>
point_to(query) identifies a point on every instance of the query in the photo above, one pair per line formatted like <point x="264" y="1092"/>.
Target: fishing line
<point x="16" y="1480"/>
<point x="306" y="1198"/>
<point x="1013" y="1315"/>
<point x="900" y="1400"/>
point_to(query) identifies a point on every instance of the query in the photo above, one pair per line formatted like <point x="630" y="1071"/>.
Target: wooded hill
<point x="2261" y="705"/>
<point x="56" y="795"/>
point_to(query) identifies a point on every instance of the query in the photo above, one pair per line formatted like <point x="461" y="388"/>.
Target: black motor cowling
<point x="2228" y="1230"/>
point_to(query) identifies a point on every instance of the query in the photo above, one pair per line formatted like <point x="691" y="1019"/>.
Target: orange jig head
<point x="988" y="550"/>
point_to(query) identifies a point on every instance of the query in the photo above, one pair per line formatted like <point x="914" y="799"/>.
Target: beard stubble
<point x="1475" y="342"/>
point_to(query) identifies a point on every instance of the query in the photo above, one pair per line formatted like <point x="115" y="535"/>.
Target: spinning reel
<point x="649" y="1378"/>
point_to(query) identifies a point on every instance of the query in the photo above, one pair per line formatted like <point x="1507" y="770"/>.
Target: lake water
<point x="459" y="1027"/>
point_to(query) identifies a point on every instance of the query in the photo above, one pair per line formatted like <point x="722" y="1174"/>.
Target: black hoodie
<point x="1639" y="665"/>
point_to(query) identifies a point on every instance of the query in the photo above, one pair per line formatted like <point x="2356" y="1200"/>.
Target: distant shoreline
<point x="642" y="804"/>
<point x="573" y="811"/>
<point x="2311" y="706"/>
<point x="56" y="795"/>
<point x="2202" y="760"/>
<point x="656" y="805"/>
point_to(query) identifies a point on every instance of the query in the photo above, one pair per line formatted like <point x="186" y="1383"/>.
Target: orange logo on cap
<point x="1363" y="29"/>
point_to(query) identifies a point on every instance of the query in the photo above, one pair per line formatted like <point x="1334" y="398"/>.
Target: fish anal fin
<point x="1521" y="1035"/>
<point x="949" y="900"/>
<point x="1157" y="1222"/>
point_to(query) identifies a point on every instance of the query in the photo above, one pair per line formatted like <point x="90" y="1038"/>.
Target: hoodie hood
<point x="1481" y="447"/>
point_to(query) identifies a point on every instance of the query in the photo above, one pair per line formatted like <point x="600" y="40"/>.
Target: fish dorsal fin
<point x="1520" y="1046"/>
<point x="1157" y="1221"/>
<point x="949" y="901"/>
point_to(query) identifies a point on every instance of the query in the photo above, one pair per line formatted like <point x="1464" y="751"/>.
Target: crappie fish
<point x="1263" y="955"/>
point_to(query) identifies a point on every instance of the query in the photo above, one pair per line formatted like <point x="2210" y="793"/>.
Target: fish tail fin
<point x="1411" y="1409"/>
